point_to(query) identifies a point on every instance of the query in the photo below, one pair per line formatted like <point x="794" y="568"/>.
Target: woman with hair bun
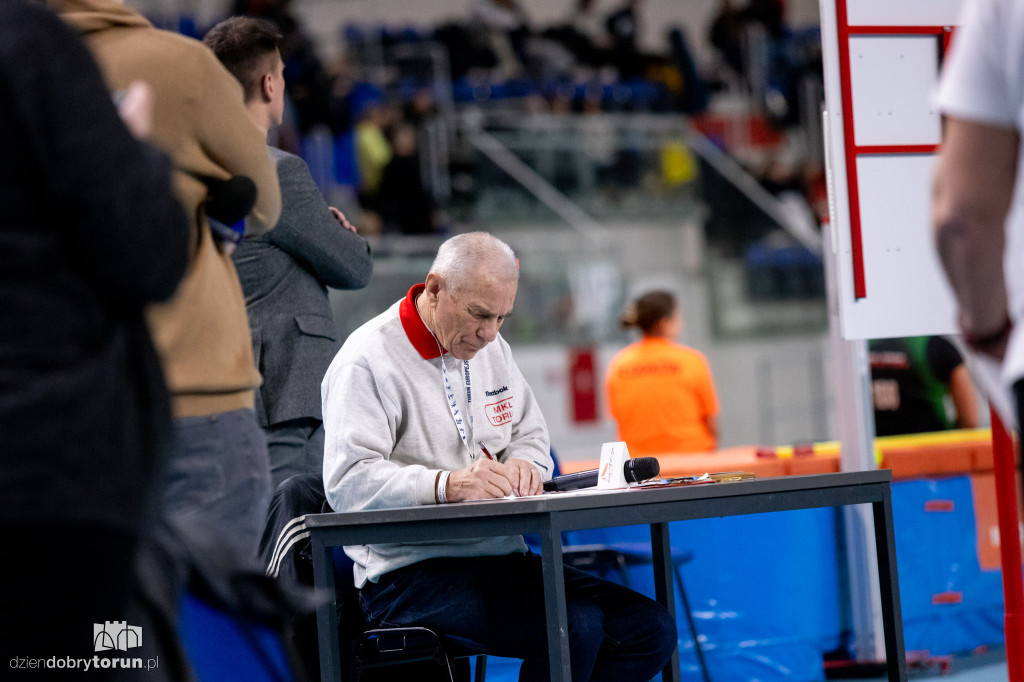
<point x="660" y="392"/>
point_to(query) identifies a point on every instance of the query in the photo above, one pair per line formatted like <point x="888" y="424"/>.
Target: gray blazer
<point x="285" y="274"/>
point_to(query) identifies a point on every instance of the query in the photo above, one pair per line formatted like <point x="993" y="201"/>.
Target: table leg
<point x="889" y="587"/>
<point x="327" y="613"/>
<point x="664" y="592"/>
<point x="554" y="603"/>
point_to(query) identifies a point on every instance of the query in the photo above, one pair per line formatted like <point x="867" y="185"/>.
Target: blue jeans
<point x="497" y="602"/>
<point x="296" y="447"/>
<point x="218" y="478"/>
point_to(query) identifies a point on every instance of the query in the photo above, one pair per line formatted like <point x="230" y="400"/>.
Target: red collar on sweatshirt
<point x="419" y="336"/>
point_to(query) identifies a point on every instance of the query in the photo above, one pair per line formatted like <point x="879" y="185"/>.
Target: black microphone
<point x="635" y="470"/>
<point x="228" y="201"/>
<point x="227" y="204"/>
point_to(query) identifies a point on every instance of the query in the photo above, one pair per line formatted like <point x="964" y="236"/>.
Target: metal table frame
<point x="549" y="515"/>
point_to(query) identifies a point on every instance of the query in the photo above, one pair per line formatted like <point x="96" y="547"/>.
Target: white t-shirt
<point x="983" y="81"/>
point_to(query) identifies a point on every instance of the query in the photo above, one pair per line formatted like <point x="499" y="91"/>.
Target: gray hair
<point x="466" y="256"/>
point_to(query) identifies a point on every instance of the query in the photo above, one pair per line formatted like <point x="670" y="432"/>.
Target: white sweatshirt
<point x="389" y="430"/>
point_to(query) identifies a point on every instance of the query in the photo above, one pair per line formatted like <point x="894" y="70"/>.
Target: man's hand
<point x="484" y="479"/>
<point x="524" y="477"/>
<point x="224" y="246"/>
<point x="487" y="479"/>
<point x="342" y="220"/>
<point x="136" y="109"/>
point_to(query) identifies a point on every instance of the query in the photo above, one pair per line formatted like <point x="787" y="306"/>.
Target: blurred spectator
<point x="769" y="13"/>
<point x="505" y="25"/>
<point x="582" y="32"/>
<point x="693" y="99"/>
<point x="91" y="232"/>
<point x="466" y="49"/>
<point x="758" y="47"/>
<point x="373" y="151"/>
<point x="218" y="475"/>
<point x="343" y="77"/>
<point x="308" y="83"/>
<point x="403" y="203"/>
<point x="588" y="23"/>
<point x="911" y="380"/>
<point x="788" y="183"/>
<point x="728" y="30"/>
<point x="419" y="108"/>
<point x="623" y="27"/>
<point x="726" y="35"/>
<point x="780" y="176"/>
<point x="661" y="393"/>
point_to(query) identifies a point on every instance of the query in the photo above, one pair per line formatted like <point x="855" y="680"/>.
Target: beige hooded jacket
<point x="202" y="333"/>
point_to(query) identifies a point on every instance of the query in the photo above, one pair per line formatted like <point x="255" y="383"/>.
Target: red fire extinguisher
<point x="582" y="384"/>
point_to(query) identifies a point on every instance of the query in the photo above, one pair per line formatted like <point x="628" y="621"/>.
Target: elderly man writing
<point x="424" y="405"/>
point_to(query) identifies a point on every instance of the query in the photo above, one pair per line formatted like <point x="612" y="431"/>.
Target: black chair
<point x="443" y="658"/>
<point x="285" y="552"/>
